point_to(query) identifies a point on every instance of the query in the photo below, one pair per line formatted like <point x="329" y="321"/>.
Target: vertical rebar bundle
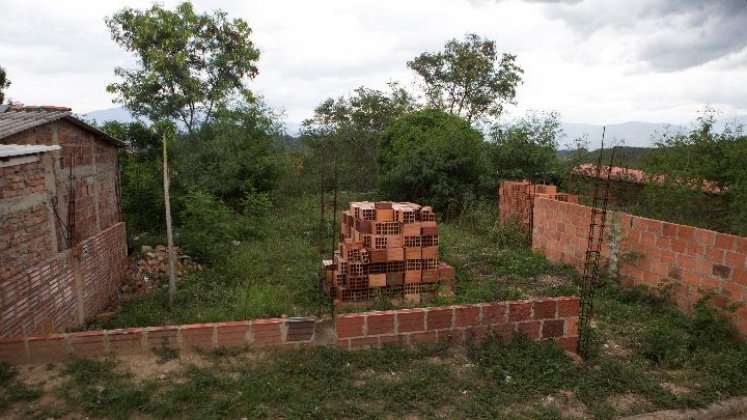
<point x="593" y="254"/>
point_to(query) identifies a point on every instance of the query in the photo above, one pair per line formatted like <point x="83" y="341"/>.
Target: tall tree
<point x="467" y="78"/>
<point x="351" y="125"/>
<point x="527" y="147"/>
<point x="4" y="83"/>
<point x="188" y="65"/>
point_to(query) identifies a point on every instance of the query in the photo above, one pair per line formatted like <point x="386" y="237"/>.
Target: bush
<point x="208" y="227"/>
<point x="665" y="346"/>
<point x="433" y="158"/>
<point x="511" y="235"/>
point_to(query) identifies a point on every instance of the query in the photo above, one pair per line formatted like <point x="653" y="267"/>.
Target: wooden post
<point x="322" y="227"/>
<point x="169" y="235"/>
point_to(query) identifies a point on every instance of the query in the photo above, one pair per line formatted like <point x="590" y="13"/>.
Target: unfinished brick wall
<point x="26" y="219"/>
<point x="60" y="259"/>
<point x="685" y="260"/>
<point x="515" y="200"/>
<point x="689" y="260"/>
<point x="85" y="168"/>
<point x="63" y="290"/>
<point x="290" y="332"/>
<point x="544" y="318"/>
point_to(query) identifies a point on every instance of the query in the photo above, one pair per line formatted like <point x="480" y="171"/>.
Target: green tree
<point x="349" y="128"/>
<point x="527" y="148"/>
<point x="232" y="156"/>
<point x="699" y="177"/>
<point x="433" y="158"/>
<point x="467" y="78"/>
<point x="141" y="181"/>
<point x="189" y="64"/>
<point x="4" y="84"/>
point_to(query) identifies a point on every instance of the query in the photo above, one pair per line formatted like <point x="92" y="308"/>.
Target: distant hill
<point x="634" y="133"/>
<point x="111" y="114"/>
<point x="122" y="115"/>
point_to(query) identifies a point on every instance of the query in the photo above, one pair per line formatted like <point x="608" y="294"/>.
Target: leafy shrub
<point x="433" y="158"/>
<point x="709" y="328"/>
<point x="665" y="345"/>
<point x="208" y="227"/>
<point x="477" y="215"/>
<point x="511" y="235"/>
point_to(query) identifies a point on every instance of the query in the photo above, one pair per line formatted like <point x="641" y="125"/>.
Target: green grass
<point x="12" y="390"/>
<point x="270" y="275"/>
<point x="494" y="379"/>
<point x="275" y="273"/>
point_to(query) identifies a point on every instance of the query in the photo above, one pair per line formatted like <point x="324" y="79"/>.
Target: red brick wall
<point x="45" y="297"/>
<point x="45" y="285"/>
<point x="690" y="260"/>
<point x="25" y="225"/>
<point x="545" y="318"/>
<point x="238" y="334"/>
<point x="94" y="177"/>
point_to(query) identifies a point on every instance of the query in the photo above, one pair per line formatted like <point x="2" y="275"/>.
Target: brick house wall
<point x="60" y="259"/>
<point x="86" y="167"/>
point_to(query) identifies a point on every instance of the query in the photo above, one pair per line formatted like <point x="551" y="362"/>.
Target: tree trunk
<point x="169" y="234"/>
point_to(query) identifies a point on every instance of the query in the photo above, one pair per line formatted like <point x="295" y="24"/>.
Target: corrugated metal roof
<point x="16" y="119"/>
<point x="12" y="150"/>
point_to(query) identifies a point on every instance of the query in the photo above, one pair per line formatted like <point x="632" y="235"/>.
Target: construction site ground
<point x="518" y="379"/>
<point x="647" y="356"/>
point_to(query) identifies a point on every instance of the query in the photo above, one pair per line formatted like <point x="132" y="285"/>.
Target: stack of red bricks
<point x="387" y="250"/>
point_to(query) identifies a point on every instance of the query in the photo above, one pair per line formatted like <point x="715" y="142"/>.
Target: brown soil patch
<point x="625" y="403"/>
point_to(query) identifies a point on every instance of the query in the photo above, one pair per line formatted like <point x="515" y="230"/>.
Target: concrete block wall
<point x="133" y="341"/>
<point x="685" y="260"/>
<point x="544" y="318"/>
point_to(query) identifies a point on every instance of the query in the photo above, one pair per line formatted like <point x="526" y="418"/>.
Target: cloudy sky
<point x="594" y="61"/>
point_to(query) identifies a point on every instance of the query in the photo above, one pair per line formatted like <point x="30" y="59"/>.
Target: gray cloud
<point x="672" y="34"/>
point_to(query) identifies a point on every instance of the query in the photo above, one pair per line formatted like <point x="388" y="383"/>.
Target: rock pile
<point x="152" y="269"/>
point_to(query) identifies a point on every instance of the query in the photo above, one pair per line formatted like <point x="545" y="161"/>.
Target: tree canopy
<point x="189" y="64"/>
<point x="431" y="157"/>
<point x="467" y="78"/>
<point x="527" y="148"/>
<point x="696" y="165"/>
<point x="349" y="127"/>
<point x="4" y="84"/>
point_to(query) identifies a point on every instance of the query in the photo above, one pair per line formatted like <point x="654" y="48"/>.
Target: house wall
<point x="27" y="225"/>
<point x="60" y="259"/>
<point x="86" y="168"/>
